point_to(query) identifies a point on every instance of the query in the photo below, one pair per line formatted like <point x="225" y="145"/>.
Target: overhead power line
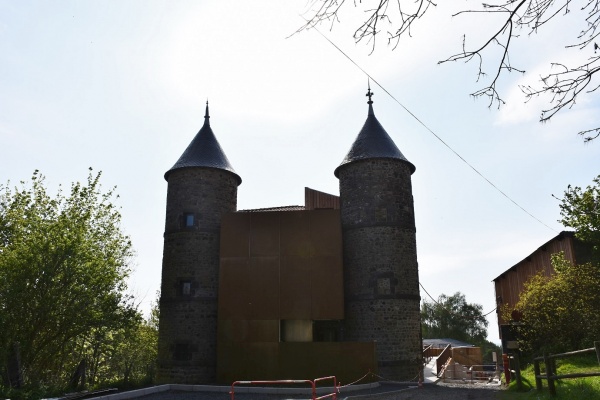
<point x="436" y="135"/>
<point x="450" y="311"/>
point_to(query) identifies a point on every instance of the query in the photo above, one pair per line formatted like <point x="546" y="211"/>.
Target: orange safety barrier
<point x="312" y="383"/>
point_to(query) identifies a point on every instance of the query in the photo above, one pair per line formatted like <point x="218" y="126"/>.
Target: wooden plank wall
<point x="467" y="355"/>
<point x="314" y="200"/>
<point x="510" y="284"/>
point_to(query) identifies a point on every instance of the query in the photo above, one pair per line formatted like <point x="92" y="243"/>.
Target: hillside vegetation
<point x="566" y="389"/>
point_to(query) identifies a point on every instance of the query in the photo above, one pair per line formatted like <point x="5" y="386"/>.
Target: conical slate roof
<point x="204" y="151"/>
<point x="373" y="142"/>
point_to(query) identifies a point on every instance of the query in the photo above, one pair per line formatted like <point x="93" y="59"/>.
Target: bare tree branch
<point x="590" y="134"/>
<point x="564" y="86"/>
<point x="502" y="39"/>
<point x="328" y="10"/>
<point x="408" y="18"/>
<point x="593" y="21"/>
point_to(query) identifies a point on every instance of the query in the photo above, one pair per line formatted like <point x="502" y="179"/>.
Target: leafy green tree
<point x="125" y="357"/>
<point x="63" y="267"/>
<point x="560" y="313"/>
<point x="133" y="361"/>
<point x="452" y="317"/>
<point x="580" y="209"/>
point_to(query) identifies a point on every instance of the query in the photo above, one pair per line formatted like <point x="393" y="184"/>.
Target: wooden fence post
<point x="518" y="371"/>
<point x="536" y="371"/>
<point x="597" y="346"/>
<point x="549" y="374"/>
<point x="506" y="365"/>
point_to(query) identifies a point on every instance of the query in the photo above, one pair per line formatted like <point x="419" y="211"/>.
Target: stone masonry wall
<point x="190" y="273"/>
<point x="376" y="193"/>
<point x="381" y="282"/>
<point x="208" y="192"/>
<point x="187" y="342"/>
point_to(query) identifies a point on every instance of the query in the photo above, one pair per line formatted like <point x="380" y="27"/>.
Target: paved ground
<point x="433" y="389"/>
<point x="385" y="392"/>
<point x="446" y="392"/>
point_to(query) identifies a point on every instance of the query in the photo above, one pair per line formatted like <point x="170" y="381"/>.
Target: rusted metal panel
<point x="264" y="234"/>
<point x="296" y="234"/>
<point x="314" y="200"/>
<point x="326" y="229"/>
<point x="327" y="288"/>
<point x="235" y="230"/>
<point x="248" y="330"/>
<point x="249" y="288"/>
<point x="263" y="281"/>
<point x="293" y="269"/>
<point x="296" y="277"/>
<point x="348" y="361"/>
<point x="234" y="274"/>
<point x="286" y="266"/>
<point x="246" y="361"/>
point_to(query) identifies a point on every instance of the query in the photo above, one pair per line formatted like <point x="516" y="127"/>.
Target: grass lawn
<point x="577" y="388"/>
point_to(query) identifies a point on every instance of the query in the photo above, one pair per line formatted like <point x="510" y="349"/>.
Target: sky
<point x="121" y="86"/>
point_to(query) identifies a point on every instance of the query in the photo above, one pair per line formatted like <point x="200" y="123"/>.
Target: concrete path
<point x="429" y="372"/>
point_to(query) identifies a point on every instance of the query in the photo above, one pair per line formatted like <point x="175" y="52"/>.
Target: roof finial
<point x="206" y="115"/>
<point x="369" y="93"/>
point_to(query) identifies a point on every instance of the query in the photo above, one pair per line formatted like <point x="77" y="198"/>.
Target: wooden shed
<point x="509" y="285"/>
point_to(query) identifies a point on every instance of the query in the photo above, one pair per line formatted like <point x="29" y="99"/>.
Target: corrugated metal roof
<point x="443" y="342"/>
<point x="560" y="236"/>
<point x="282" y="208"/>
<point x="373" y="142"/>
<point x="204" y="151"/>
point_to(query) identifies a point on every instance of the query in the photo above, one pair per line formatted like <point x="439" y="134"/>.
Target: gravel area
<point x="446" y="392"/>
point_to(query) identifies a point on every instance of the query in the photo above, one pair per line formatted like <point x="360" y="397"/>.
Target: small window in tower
<point x="381" y="214"/>
<point x="182" y="352"/>
<point x="186" y="288"/>
<point x="189" y="220"/>
<point x="384" y="286"/>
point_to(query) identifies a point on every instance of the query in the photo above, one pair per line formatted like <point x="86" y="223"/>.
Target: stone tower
<point x="381" y="278"/>
<point x="202" y="186"/>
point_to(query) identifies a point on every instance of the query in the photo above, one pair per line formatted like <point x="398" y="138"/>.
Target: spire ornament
<point x="206" y="115"/>
<point x="369" y="94"/>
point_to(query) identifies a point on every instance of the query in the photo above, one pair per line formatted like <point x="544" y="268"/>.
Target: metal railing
<point x="312" y="383"/>
<point x="484" y="372"/>
<point x="427" y="354"/>
<point x="442" y="358"/>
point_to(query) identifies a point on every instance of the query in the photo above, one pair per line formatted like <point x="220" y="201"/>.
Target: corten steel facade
<point x="281" y="299"/>
<point x="328" y="288"/>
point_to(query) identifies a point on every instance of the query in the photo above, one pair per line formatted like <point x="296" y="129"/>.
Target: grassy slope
<point x="566" y="389"/>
